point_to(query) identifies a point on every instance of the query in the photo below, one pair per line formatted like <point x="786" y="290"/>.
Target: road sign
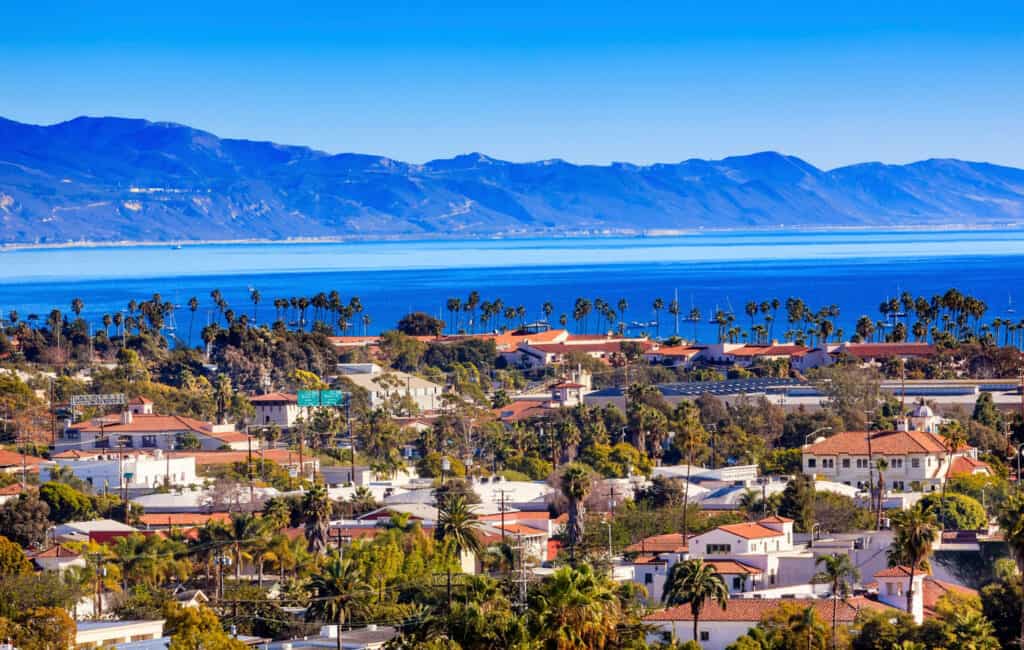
<point x="110" y="399"/>
<point x="321" y="398"/>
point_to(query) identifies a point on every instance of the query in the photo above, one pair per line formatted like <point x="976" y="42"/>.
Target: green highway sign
<point x="321" y="398"/>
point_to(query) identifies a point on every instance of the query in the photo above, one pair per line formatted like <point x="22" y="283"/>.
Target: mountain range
<point x="116" y="179"/>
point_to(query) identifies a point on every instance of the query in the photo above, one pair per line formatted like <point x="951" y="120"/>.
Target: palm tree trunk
<point x="449" y="589"/>
<point x="341" y="618"/>
<point x="696" y="620"/>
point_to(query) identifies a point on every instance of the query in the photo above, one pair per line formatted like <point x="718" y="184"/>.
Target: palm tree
<point x="687" y="418"/>
<point x="657" y="305"/>
<point x="915" y="532"/>
<point x="459" y="527"/>
<point x="241" y="532"/>
<point x="338" y="593"/>
<point x="576" y="609"/>
<point x="575" y="485"/>
<point x="695" y="583"/>
<point x="316" y="510"/>
<point x="954" y="438"/>
<point x="1011" y="523"/>
<point x="838" y="572"/>
<point x="256" y="297"/>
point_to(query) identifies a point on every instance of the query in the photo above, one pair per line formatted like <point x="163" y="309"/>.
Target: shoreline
<point x="660" y="233"/>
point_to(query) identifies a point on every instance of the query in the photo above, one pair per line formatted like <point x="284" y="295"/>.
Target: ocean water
<point x="854" y="270"/>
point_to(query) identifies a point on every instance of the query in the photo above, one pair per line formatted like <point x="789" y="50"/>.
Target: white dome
<point x="922" y="411"/>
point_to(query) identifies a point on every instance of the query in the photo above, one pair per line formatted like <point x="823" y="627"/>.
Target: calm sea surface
<point x="855" y="270"/>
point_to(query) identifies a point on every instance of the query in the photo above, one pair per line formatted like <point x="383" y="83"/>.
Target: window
<point x="811" y="462"/>
<point x="648" y="578"/>
<point x="897" y="463"/>
<point x="149" y="441"/>
<point x="737" y="583"/>
<point x="915" y="463"/>
<point x="846" y="463"/>
<point x="719" y="548"/>
<point x="828" y="463"/>
<point x="705" y="635"/>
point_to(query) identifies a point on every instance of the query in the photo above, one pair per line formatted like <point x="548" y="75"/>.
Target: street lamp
<point x="807" y="438"/>
<point x="810" y="544"/>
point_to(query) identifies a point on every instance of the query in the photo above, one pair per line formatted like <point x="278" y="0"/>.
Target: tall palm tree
<point x="953" y="438"/>
<point x="657" y="305"/>
<point x="686" y="417"/>
<point x="256" y="297"/>
<point x="575" y="485"/>
<point x="838" y="572"/>
<point x="695" y="583"/>
<point x="459" y="528"/>
<point x="915" y="532"/>
<point x="1011" y="523"/>
<point x="316" y="510"/>
<point x="339" y="593"/>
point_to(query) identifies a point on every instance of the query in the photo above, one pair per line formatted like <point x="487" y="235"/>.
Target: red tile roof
<point x="10" y="490"/>
<point x="886" y="350"/>
<point x="519" y="529"/>
<point x="279" y="456"/>
<point x="669" y="543"/>
<point x="55" y="551"/>
<point x="936" y="589"/>
<point x="750" y="530"/>
<point x="14" y="459"/>
<point x="676" y="351"/>
<point x="183" y="518"/>
<point x="775" y="519"/>
<point x="768" y="351"/>
<point x="753" y="610"/>
<point x="962" y="465"/>
<point x="733" y="567"/>
<point x="142" y="423"/>
<point x="882" y="442"/>
<point x="275" y="398"/>
<point x="896" y="572"/>
<point x="605" y="347"/>
<point x="140" y="399"/>
<point x="522" y="410"/>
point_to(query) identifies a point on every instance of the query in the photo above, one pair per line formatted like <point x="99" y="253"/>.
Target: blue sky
<point x="590" y="82"/>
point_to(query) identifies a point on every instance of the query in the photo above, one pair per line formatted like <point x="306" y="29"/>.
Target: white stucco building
<point x="139" y="470"/>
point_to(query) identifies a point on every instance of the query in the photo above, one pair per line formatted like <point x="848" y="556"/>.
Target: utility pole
<point x="99" y="571"/>
<point x="501" y="494"/>
<point x="252" y="488"/>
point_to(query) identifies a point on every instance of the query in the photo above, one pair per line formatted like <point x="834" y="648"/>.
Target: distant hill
<point x="107" y="179"/>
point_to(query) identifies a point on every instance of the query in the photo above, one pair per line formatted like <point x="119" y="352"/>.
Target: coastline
<point x="603" y="234"/>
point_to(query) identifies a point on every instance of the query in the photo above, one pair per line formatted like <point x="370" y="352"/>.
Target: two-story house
<point x="914" y="460"/>
<point x="746" y="555"/>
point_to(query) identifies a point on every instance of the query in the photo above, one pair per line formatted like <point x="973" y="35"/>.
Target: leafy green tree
<point x="66" y="503"/>
<point x="12" y="559"/>
<point x="798" y="501"/>
<point x="1001" y="604"/>
<point x="838" y="572"/>
<point x="882" y="630"/>
<point x="1011" y="522"/>
<point x="960" y="512"/>
<point x="419" y="323"/>
<point x="197" y="628"/>
<point x="695" y="583"/>
<point x="24" y="520"/>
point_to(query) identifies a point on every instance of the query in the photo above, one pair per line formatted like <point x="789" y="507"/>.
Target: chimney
<point x="126" y="417"/>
